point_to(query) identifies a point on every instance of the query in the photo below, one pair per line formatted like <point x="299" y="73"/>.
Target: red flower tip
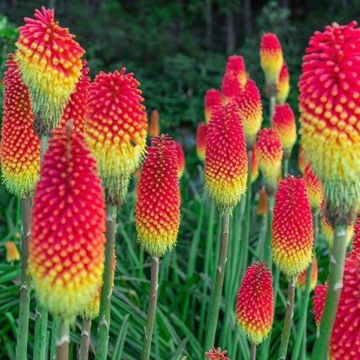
<point x="345" y="337"/>
<point x="301" y="279"/>
<point x="250" y="110"/>
<point x="226" y="163"/>
<point x="216" y="354"/>
<point x="212" y="99"/>
<point x="284" y="124"/>
<point x="158" y="197"/>
<point x="181" y="159"/>
<point x="66" y="251"/>
<point x="269" y="153"/>
<point x="271" y="57"/>
<point x="283" y="85"/>
<point x="20" y="146"/>
<point x="76" y="108"/>
<point x="115" y="129"/>
<point x="230" y="87"/>
<point x="236" y="65"/>
<point x="50" y="63"/>
<point x="154" y="124"/>
<point x="255" y="303"/>
<point x="292" y="228"/>
<point x="201" y="140"/>
<point x="329" y="106"/>
<point x="314" y="188"/>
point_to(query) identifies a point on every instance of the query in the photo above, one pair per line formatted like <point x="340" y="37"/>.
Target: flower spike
<point x="314" y="188"/>
<point x="181" y="159"/>
<point x="50" y="63"/>
<point x="283" y="85"/>
<point x="154" y="124"/>
<point x="66" y="251"/>
<point x="301" y="279"/>
<point x="12" y="252"/>
<point x="236" y="65"/>
<point x="292" y="228"/>
<point x="212" y="99"/>
<point x="158" y="198"/>
<point x="201" y="140"/>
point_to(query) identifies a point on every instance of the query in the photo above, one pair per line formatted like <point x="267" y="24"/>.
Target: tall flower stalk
<point x="226" y="168"/>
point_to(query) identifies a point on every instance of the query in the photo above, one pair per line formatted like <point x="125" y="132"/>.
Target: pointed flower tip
<point x="50" y="63"/>
<point x="154" y="124"/>
<point x="12" y="252"/>
<point x="283" y="84"/>
<point x="216" y="354"/>
<point x="181" y="159"/>
<point x="329" y="105"/>
<point x="157" y="212"/>
<point x="116" y="128"/>
<point x="271" y="57"/>
<point x="212" y="99"/>
<point x="236" y="65"/>
<point x="226" y="163"/>
<point x="201" y="140"/>
<point x="66" y="251"/>
<point x="269" y="153"/>
<point x="284" y="124"/>
<point x="292" y="228"/>
<point x="255" y="303"/>
<point x="20" y="146"/>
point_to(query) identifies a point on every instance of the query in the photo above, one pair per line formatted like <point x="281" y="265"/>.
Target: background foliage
<point x="178" y="50"/>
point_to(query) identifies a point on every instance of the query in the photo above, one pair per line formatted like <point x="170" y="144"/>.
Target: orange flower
<point x="66" y="251"/>
<point x="255" y="303"/>
<point x="329" y="106"/>
<point x="284" y="125"/>
<point x="201" y="140"/>
<point x="154" y="124"/>
<point x="12" y="252"/>
<point x="236" y="65"/>
<point x="283" y="85"/>
<point x="345" y="338"/>
<point x="20" y="146"/>
<point x="263" y="205"/>
<point x="50" y="63"/>
<point x="181" y="159"/>
<point x="226" y="163"/>
<point x="271" y="58"/>
<point x="302" y="160"/>
<point x="158" y="198"/>
<point x="115" y="129"/>
<point x="76" y="107"/>
<point x="301" y="279"/>
<point x="292" y="228"/>
<point x="314" y="188"/>
<point x="269" y="153"/>
<point x="212" y="99"/>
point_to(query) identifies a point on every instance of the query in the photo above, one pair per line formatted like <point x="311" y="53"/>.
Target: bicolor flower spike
<point x="254" y="166"/>
<point x="181" y="159"/>
<point x="283" y="84"/>
<point x="154" y="124"/>
<point x="345" y="337"/>
<point x="314" y="188"/>
<point x="115" y="128"/>
<point x="226" y="163"/>
<point x="250" y="111"/>
<point x="158" y="198"/>
<point x="12" y="252"/>
<point x="201" y="140"/>
<point x="66" y="252"/>
<point x="271" y="58"/>
<point x="292" y="228"/>
<point x="255" y="303"/>
<point x="20" y="146"/>
<point x="76" y="107"/>
<point x="284" y="125"/>
<point x="301" y="279"/>
<point x="329" y="105"/>
<point x="302" y="160"/>
<point x="269" y="153"/>
<point x="50" y="63"/>
<point x="236" y="65"/>
<point x="212" y="99"/>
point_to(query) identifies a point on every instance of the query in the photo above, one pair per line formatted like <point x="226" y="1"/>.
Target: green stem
<point x="54" y="335"/>
<point x="40" y="335"/>
<point x="85" y="339"/>
<point x="106" y="291"/>
<point x="23" y="329"/>
<point x="151" y="314"/>
<point x="271" y="108"/>
<point x="285" y="336"/>
<point x="262" y="237"/>
<point x="217" y="289"/>
<point x="252" y="351"/>
<point x="62" y="344"/>
<point x="337" y="259"/>
<point x="267" y="248"/>
<point x="285" y="166"/>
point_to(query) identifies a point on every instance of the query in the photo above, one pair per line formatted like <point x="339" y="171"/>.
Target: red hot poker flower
<point x="236" y="65"/>
<point x="66" y="252"/>
<point x="181" y="159"/>
<point x="212" y="99"/>
<point x="216" y="354"/>
<point x="292" y="228"/>
<point x="158" y="198"/>
<point x="301" y="279"/>
<point x="154" y="124"/>
<point x="255" y="303"/>
<point x="314" y="188"/>
<point x="201" y="140"/>
<point x="283" y="85"/>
